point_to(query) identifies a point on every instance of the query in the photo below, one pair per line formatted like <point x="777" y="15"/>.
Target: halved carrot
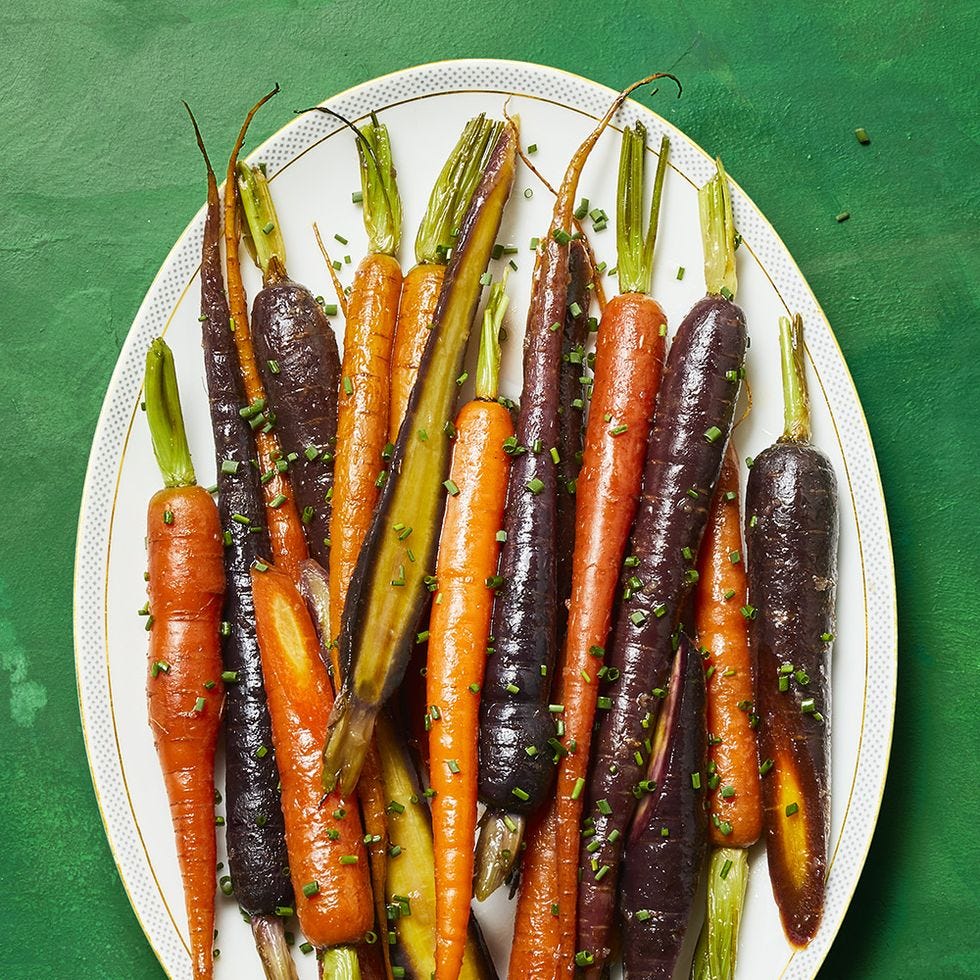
<point x="458" y="629"/>
<point x="447" y="205"/>
<point x="324" y="834"/>
<point x="183" y="688"/>
<point x="362" y="417"/>
<point x="285" y="530"/>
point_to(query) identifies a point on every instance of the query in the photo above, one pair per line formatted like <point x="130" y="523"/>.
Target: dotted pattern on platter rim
<point x="177" y="271"/>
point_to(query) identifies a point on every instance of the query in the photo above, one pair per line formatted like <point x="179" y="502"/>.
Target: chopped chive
<point x="229" y="676"/>
<point x="330" y="309"/>
<point x="696" y="780"/>
<point x="348" y="385"/>
<point x="577" y="789"/>
<point x="513" y="689"/>
<point x="535" y="485"/>
<point x="735" y="557"/>
<point x="528" y="193"/>
<point x="229" y="466"/>
<point x="556" y="708"/>
<point x="453" y="766"/>
<point x="199" y="705"/>
<point x="341" y="239"/>
<point x="349" y="859"/>
<point x="520" y="794"/>
<point x="792" y="808"/>
<point x="712" y="434"/>
<point x="284" y="911"/>
<point x="862" y="136"/>
<point x="843" y="216"/>
<point x="311" y="888"/>
<point x="680" y="272"/>
<point x="826" y="637"/>
<point x="451" y="488"/>
<point x="278" y="500"/>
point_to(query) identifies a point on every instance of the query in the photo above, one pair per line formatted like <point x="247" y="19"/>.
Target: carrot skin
<point x="256" y="853"/>
<point x="722" y="630"/>
<point x="186" y="590"/>
<point x="792" y="546"/>
<point x="300" y="700"/>
<point x="458" y="631"/>
<point x="571" y="419"/>
<point x="292" y="332"/>
<point x="362" y="419"/>
<point x="416" y="309"/>
<point x="535" y="951"/>
<point x="698" y="394"/>
<point x="628" y="367"/>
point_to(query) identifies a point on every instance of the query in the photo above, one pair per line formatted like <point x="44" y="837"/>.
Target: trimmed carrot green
<point x="184" y="689"/>
<point x="285" y="529"/>
<point x="458" y="631"/>
<point x="324" y="834"/>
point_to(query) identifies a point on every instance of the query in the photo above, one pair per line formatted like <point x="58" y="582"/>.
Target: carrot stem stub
<point x="186" y="585"/>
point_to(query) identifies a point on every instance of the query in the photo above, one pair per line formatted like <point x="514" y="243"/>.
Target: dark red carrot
<point x="282" y="518"/>
<point x="393" y="575"/>
<point x="297" y="356"/>
<point x="458" y="629"/>
<point x="183" y="687"/>
<point x="514" y="714"/>
<point x="791" y="534"/>
<point x="256" y="848"/>
<point x="667" y="841"/>
<point x="691" y="425"/>
<point x="628" y="366"/>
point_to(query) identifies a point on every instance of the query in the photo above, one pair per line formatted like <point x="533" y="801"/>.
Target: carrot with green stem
<point x="628" y="366"/>
<point x="733" y="766"/>
<point x="285" y="530"/>
<point x="466" y="572"/>
<point x="324" y="834"/>
<point x="184" y="688"/>
<point x="254" y="830"/>
<point x="515" y="715"/>
<point x="420" y="291"/>
<point x="362" y="418"/>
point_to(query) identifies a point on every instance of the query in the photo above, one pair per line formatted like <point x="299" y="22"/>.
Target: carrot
<point x="324" y="834"/>
<point x="628" y="366"/>
<point x="184" y="690"/>
<point x="285" y="530"/>
<point x="734" y="791"/>
<point x="458" y="629"/>
<point x="447" y="205"/>
<point x="362" y="417"/>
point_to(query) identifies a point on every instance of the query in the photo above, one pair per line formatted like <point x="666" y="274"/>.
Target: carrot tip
<point x="496" y="851"/>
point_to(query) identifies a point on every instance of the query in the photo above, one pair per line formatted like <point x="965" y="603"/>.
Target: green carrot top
<point x="453" y="189"/>
<point x="382" y="205"/>
<point x="796" y="400"/>
<point x="488" y="362"/>
<point x="165" y="418"/>
<point x="635" y="249"/>
<point x="264" y="236"/>
<point x="718" y="233"/>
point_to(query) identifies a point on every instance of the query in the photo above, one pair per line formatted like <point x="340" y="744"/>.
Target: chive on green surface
<point x="634" y="247"/>
<point x="452" y="192"/>
<point x="264" y="238"/>
<point x="165" y="417"/>
<point x="488" y="363"/>
<point x="382" y="205"/>
<point x="796" y="402"/>
<point x="718" y="233"/>
<point x="728" y="875"/>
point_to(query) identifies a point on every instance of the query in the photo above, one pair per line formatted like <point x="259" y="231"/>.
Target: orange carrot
<point x="324" y="835"/>
<point x="420" y="293"/>
<point x="447" y="205"/>
<point x="362" y="417"/>
<point x="628" y="366"/>
<point x="285" y="529"/>
<point x="458" y="629"/>
<point x="184" y="689"/>
<point x="722" y="631"/>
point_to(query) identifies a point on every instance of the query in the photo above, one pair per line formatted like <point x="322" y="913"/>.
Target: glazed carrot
<point x="183" y="687"/>
<point x="466" y="571"/>
<point x="447" y="205"/>
<point x="362" y="417"/>
<point x="324" y="834"/>
<point x="628" y="365"/>
<point x="733" y="763"/>
<point x="285" y="530"/>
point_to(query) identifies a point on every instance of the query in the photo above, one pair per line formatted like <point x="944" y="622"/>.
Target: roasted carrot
<point x="628" y="365"/>
<point x="733" y="764"/>
<point x="183" y="688"/>
<point x="466" y="571"/>
<point x="362" y="417"/>
<point x="285" y="530"/>
<point x="324" y="834"/>
<point x="447" y="205"/>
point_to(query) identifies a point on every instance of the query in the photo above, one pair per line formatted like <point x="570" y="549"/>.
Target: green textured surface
<point x="101" y="178"/>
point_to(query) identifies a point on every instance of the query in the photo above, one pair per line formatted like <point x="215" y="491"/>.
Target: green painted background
<point x="99" y="177"/>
